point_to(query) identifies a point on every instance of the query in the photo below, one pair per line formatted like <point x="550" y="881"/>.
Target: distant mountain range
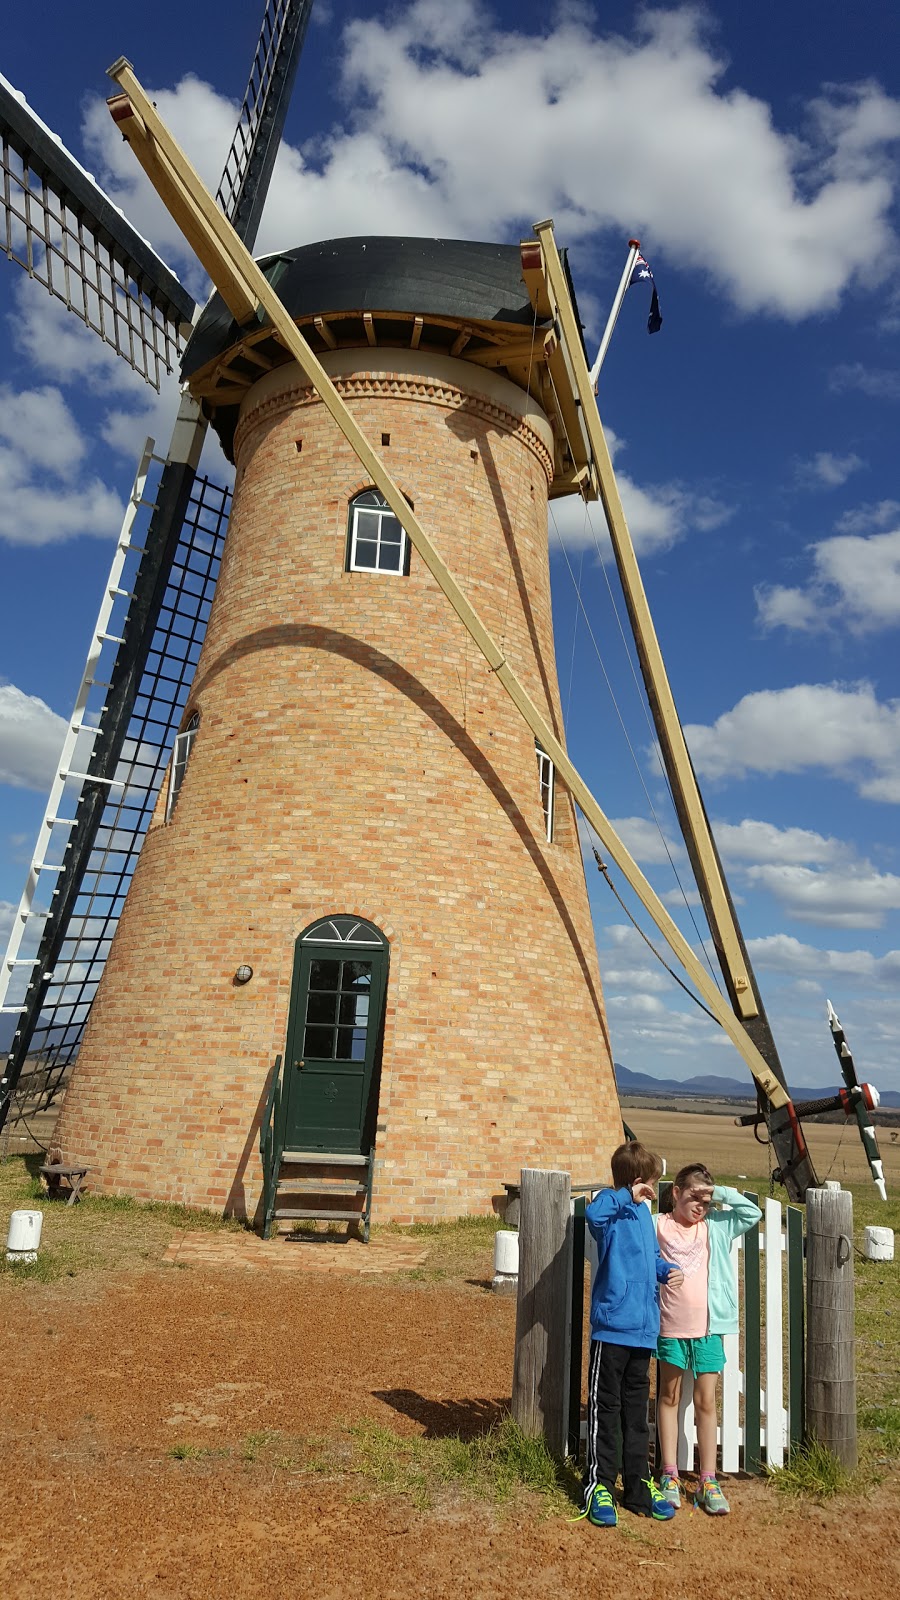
<point x="709" y="1087"/>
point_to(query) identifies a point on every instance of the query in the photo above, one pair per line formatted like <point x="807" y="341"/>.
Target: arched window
<point x="180" y="756"/>
<point x="376" y="542"/>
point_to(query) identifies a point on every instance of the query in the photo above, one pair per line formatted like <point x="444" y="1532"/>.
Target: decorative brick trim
<point x="396" y="386"/>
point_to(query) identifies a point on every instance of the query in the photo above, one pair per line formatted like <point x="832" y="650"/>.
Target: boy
<point x="624" y="1331"/>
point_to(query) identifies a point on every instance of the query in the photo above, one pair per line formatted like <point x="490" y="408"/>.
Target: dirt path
<point x="100" y="1380"/>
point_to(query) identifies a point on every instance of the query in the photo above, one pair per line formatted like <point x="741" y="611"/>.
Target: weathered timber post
<point x="541" y="1369"/>
<point x="830" y="1338"/>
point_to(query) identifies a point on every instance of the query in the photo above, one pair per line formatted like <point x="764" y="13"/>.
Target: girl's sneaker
<point x="671" y="1488"/>
<point x="710" y="1498"/>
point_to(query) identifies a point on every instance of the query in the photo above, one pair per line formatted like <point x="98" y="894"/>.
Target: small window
<point x="180" y="756"/>
<point x="546" y="780"/>
<point x="377" y="542"/>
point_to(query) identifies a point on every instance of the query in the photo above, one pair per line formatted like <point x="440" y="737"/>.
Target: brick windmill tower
<point x="361" y="861"/>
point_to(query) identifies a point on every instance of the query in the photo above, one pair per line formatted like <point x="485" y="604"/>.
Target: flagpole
<point x="634" y="250"/>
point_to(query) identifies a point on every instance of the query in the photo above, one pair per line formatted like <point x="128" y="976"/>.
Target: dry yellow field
<point x="683" y="1136"/>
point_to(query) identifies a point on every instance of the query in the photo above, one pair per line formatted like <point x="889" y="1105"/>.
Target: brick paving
<point x="247" y="1251"/>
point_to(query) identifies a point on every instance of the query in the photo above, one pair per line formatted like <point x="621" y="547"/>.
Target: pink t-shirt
<point x="684" y="1310"/>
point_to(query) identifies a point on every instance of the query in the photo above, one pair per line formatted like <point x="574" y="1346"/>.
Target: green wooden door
<point x="334" y="1037"/>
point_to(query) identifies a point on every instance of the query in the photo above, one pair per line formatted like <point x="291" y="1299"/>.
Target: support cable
<point x="637" y="766"/>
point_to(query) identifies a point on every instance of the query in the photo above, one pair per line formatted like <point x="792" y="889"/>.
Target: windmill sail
<point x="150" y="679"/>
<point x="248" y="168"/>
<point x="60" y="226"/>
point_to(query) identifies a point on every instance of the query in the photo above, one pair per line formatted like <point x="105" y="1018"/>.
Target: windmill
<point x="64" y="231"/>
<point x="553" y="357"/>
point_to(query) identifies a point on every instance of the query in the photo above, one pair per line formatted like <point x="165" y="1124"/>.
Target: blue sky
<point x="754" y="150"/>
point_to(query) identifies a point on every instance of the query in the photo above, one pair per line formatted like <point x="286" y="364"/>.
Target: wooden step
<point x="321" y="1158"/>
<point x="307" y="1214"/>
<point x="336" y="1186"/>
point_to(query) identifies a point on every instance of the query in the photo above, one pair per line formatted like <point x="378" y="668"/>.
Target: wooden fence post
<point x="541" y="1369"/>
<point x="830" y="1340"/>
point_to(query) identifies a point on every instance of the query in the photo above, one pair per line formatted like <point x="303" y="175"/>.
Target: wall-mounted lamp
<point x="243" y="974"/>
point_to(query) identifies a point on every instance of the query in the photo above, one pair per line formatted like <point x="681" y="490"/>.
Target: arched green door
<point x="334" y="1037"/>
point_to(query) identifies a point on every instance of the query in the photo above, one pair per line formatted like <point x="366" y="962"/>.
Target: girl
<point x="694" y="1314"/>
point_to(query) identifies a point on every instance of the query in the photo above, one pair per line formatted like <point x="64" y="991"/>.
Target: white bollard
<point x="24" y="1236"/>
<point x="831" y="1183"/>
<point x="506" y="1262"/>
<point x="878" y="1244"/>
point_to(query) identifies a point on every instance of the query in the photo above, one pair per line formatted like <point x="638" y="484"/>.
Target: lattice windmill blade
<point x="862" y="1097"/>
<point x="152" y="672"/>
<point x="248" y="167"/>
<point x="67" y="234"/>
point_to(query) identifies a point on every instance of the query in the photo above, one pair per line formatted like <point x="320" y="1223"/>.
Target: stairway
<point x="322" y="1186"/>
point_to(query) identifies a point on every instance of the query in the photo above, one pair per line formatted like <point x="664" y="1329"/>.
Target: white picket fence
<point x="755" y="1431"/>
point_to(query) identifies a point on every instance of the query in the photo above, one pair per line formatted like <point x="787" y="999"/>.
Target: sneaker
<point x="670" y="1487"/>
<point x="710" y="1498"/>
<point x="601" y="1509"/>
<point x="660" y="1506"/>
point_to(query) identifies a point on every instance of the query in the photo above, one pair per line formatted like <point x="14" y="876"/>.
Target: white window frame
<point x="547" y="786"/>
<point x="181" y="752"/>
<point x="372" y="503"/>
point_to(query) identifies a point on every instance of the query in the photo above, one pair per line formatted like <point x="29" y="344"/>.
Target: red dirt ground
<point x="99" y="1378"/>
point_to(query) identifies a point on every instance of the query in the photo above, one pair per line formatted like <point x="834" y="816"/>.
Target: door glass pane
<point x="355" y="1009"/>
<point x="322" y="1008"/>
<point x="318" y="1044"/>
<point x="357" y="976"/>
<point x="351" y="1044"/>
<point x="325" y="975"/>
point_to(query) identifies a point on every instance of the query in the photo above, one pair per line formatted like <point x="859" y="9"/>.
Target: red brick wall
<point x="356" y="755"/>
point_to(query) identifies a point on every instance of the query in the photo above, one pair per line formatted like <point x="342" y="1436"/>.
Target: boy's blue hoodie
<point x="625" y="1296"/>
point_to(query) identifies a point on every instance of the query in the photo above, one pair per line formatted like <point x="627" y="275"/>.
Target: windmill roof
<point x="452" y="284"/>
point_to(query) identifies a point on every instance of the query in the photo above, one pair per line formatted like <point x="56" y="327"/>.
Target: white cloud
<point x="751" y="841"/>
<point x="878" y="382"/>
<point x="857" y="896"/>
<point x="658" y="515"/>
<point x="782" y="225"/>
<point x="647" y="843"/>
<point x="855" y="583"/>
<point x="825" y="470"/>
<point x="870" y="518"/>
<point x="842" y="729"/>
<point x="31" y="737"/>
<point x="780" y="953"/>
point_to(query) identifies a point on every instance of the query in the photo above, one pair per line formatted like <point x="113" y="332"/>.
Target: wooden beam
<point x="721" y="915"/>
<point x="324" y="332"/>
<point x="249" y="352"/>
<point x="460" y="342"/>
<point x="524" y="352"/>
<point x="369" y="326"/>
<point x="172" y="177"/>
<point x="235" y="258"/>
<point x="418" y="325"/>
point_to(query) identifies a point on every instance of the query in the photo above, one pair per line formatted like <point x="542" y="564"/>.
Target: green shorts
<point x="693" y="1355"/>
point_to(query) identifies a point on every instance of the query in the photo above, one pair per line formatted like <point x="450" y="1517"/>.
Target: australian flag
<point x="641" y="273"/>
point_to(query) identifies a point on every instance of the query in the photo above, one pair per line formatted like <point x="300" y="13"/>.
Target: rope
<point x="602" y="868"/>
<point x="637" y="766"/>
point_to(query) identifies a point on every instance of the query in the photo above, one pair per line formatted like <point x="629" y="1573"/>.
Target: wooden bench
<point x="54" y="1174"/>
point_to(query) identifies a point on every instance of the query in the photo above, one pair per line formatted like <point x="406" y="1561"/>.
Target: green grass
<point x="495" y="1466"/>
<point x="812" y="1472"/>
<point x="882" y="1425"/>
<point x="100" y="1233"/>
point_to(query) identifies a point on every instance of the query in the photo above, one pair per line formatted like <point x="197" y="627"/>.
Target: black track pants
<point x="618" y="1433"/>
